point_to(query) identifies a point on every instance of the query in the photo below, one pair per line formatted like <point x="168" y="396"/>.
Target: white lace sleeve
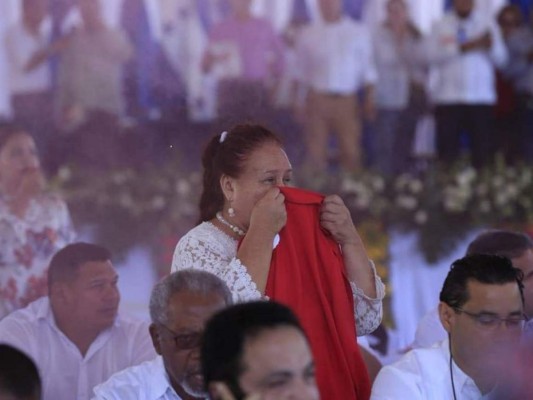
<point x="205" y="249"/>
<point x="368" y="311"/>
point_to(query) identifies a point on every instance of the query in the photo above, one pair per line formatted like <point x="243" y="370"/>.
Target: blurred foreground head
<point x="19" y="378"/>
<point x="258" y="348"/>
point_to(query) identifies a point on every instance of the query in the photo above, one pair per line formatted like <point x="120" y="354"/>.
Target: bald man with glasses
<point x="180" y="305"/>
<point x="482" y="310"/>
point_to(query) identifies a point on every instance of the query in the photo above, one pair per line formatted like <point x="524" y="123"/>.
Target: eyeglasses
<point x="185" y="341"/>
<point x="491" y="322"/>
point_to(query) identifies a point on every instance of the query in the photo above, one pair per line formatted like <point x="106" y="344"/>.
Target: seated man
<point x="482" y="309"/>
<point x="75" y="335"/>
<point x="19" y="378"/>
<point x="516" y="246"/>
<point x="257" y="348"/>
<point x="179" y="307"/>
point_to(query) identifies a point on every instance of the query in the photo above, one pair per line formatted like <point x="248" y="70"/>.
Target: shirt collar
<point x="160" y="386"/>
<point x="462" y="382"/>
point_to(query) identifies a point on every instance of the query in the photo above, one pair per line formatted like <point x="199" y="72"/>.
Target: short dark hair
<point x="19" y="376"/>
<point x="483" y="268"/>
<point x="66" y="262"/>
<point x="193" y="280"/>
<point x="500" y="242"/>
<point x="227" y="332"/>
<point x="227" y="157"/>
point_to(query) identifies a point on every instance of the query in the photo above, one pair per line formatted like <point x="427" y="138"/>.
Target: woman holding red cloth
<point x="242" y="211"/>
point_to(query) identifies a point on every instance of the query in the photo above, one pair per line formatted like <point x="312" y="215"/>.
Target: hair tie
<point x="223" y="136"/>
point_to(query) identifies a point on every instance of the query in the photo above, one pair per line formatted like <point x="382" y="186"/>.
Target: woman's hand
<point x="269" y="212"/>
<point x="336" y="219"/>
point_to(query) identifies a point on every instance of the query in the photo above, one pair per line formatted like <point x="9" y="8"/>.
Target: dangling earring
<point x="231" y="212"/>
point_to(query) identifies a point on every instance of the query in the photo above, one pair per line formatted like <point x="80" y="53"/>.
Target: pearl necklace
<point x="234" y="228"/>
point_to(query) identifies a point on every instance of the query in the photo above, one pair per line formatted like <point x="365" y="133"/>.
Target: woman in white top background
<point x="34" y="224"/>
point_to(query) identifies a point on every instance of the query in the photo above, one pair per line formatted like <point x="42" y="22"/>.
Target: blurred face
<point x="266" y="167"/>
<point x="478" y="349"/>
<point x="178" y="342"/>
<point x="34" y="11"/>
<point x="525" y="264"/>
<point x="463" y="8"/>
<point x="18" y="157"/>
<point x="90" y="11"/>
<point x="241" y="7"/>
<point x="277" y="364"/>
<point x="396" y="12"/>
<point x="93" y="296"/>
<point x="331" y="10"/>
<point x="509" y="21"/>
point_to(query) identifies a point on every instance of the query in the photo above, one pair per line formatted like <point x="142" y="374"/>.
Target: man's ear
<point x="227" y="184"/>
<point x="447" y="316"/>
<point x="155" y="335"/>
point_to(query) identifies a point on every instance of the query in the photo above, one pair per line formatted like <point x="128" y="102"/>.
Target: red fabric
<point x="307" y="274"/>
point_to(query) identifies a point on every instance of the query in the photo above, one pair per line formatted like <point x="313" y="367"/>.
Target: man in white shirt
<point x="482" y="309"/>
<point x="464" y="48"/>
<point x="335" y="61"/>
<point x="75" y="335"/>
<point x="516" y="246"/>
<point x="180" y="305"/>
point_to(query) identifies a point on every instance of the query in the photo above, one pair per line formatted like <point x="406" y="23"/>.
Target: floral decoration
<point x="128" y="207"/>
<point x="444" y="204"/>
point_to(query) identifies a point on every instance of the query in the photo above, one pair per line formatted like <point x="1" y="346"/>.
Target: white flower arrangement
<point x="131" y="206"/>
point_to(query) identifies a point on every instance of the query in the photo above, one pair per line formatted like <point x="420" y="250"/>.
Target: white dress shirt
<point x="336" y="57"/>
<point x="20" y="47"/>
<point x="424" y="374"/>
<point x="465" y="78"/>
<point x="65" y="373"/>
<point x="148" y="381"/>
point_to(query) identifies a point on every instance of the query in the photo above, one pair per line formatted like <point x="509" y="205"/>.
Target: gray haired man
<point x="179" y="307"/>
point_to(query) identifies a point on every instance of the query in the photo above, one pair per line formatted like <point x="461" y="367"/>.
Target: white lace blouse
<point x="207" y="248"/>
